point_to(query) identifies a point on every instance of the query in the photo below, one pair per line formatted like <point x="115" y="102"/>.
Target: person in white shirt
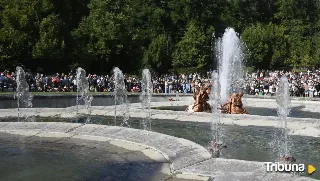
<point x="170" y="88"/>
<point x="166" y="87"/>
<point x="75" y="81"/>
<point x="311" y="91"/>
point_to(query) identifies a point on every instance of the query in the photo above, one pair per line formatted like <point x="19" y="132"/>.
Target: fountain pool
<point x="244" y="143"/>
<point x="296" y="112"/>
<point x="39" y="158"/>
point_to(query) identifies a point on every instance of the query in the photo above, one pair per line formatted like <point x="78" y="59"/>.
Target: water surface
<point x="250" y="143"/>
<point x="51" y="159"/>
<point x="296" y="112"/>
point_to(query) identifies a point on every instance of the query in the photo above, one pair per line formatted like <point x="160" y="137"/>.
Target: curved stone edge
<point x="297" y="126"/>
<point x="239" y="170"/>
<point x="179" y="152"/>
<point x="188" y="159"/>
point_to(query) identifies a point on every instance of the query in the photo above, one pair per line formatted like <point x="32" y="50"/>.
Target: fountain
<point x="22" y="93"/>
<point x="83" y="92"/>
<point x="214" y="98"/>
<point x="145" y="97"/>
<point x="229" y="52"/>
<point x="283" y="104"/>
<point x="120" y="97"/>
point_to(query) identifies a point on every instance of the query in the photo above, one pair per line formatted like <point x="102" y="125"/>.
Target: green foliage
<point x="162" y="35"/>
<point x="102" y="29"/>
<point x="157" y="56"/>
<point x="19" y="24"/>
<point x="257" y="40"/>
<point x="189" y="51"/>
<point x="51" y="43"/>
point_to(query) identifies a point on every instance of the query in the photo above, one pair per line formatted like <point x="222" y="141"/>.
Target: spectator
<point x="256" y="83"/>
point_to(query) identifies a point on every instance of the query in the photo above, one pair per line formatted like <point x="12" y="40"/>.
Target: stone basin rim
<point x="46" y="129"/>
<point x="66" y="130"/>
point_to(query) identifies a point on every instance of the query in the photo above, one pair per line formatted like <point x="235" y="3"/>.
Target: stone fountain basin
<point x="186" y="159"/>
<point x="298" y="126"/>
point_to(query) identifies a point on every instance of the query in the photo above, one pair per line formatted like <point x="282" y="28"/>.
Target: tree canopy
<point x="161" y="35"/>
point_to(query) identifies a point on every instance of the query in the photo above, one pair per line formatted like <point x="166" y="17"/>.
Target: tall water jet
<point x="83" y="92"/>
<point x="214" y="99"/>
<point x="22" y="92"/>
<point x="145" y="97"/>
<point x="120" y="97"/>
<point x="229" y="52"/>
<point x="283" y="104"/>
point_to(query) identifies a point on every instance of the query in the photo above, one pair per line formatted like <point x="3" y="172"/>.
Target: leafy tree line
<point x="171" y="35"/>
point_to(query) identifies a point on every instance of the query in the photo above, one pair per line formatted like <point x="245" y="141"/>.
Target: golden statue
<point x="234" y="105"/>
<point x="201" y="97"/>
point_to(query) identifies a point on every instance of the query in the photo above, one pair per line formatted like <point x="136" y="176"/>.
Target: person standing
<point x="170" y="88"/>
<point x="166" y="87"/>
<point x="306" y="90"/>
<point x="311" y="90"/>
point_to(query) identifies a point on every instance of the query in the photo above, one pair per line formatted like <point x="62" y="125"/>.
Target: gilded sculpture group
<point x="232" y="106"/>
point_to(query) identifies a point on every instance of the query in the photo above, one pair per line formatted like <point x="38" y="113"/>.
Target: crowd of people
<point x="303" y="84"/>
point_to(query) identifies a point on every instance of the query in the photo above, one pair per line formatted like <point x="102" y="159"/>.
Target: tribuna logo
<point x="284" y="167"/>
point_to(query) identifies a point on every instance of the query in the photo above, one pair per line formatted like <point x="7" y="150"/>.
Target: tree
<point x="189" y="51"/>
<point x="51" y="43"/>
<point x="100" y="35"/>
<point x="258" y="42"/>
<point x="157" y="56"/>
<point x="267" y="45"/>
<point x="130" y="34"/>
<point x="33" y="31"/>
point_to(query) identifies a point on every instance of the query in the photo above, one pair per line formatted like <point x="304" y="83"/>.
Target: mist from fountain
<point x="229" y="53"/>
<point x="120" y="97"/>
<point x="22" y="92"/>
<point x="83" y="92"/>
<point x="214" y="99"/>
<point x="145" y="98"/>
<point x="283" y="104"/>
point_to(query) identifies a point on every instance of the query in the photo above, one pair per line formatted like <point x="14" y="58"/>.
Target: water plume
<point x="145" y="98"/>
<point x="120" y="97"/>
<point x="22" y="95"/>
<point x="229" y="53"/>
